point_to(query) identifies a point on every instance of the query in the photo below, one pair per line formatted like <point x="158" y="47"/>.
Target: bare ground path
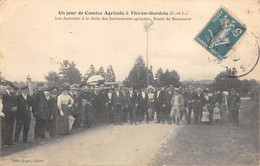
<point x="104" y="145"/>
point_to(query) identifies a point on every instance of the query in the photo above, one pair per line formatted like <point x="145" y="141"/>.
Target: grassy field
<point x="220" y="144"/>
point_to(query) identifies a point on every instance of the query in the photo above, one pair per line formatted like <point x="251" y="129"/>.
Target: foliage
<point x="101" y="72"/>
<point x="69" y="73"/>
<point x="53" y="78"/>
<point x="170" y="78"/>
<point x="110" y="75"/>
<point x="225" y="83"/>
<point x="90" y="72"/>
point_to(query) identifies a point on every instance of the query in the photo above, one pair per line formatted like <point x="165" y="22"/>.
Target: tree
<point x="158" y="73"/>
<point x="110" y="75"/>
<point x="138" y="74"/>
<point x="53" y="78"/>
<point x="225" y="83"/>
<point x="90" y="72"/>
<point x="102" y="72"/>
<point x="170" y="78"/>
<point x="69" y="73"/>
<point x="127" y="82"/>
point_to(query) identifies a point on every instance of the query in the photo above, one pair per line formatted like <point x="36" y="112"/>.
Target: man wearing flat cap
<point x="9" y="109"/>
<point x="23" y="115"/>
<point x="40" y="111"/>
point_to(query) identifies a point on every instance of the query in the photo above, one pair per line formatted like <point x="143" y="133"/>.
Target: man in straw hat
<point x="177" y="102"/>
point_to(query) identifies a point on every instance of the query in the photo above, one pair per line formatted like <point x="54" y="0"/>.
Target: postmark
<point x="220" y="35"/>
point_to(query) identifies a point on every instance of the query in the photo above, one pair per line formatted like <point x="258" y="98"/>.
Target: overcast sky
<point x="30" y="38"/>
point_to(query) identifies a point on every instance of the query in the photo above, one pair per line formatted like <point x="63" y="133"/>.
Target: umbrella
<point x="95" y="78"/>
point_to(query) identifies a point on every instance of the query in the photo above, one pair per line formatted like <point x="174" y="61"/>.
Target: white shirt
<point x="109" y="95"/>
<point x="1" y="105"/>
<point x="8" y="92"/>
<point x="64" y="99"/>
<point x="143" y="94"/>
<point x="176" y="97"/>
<point x="131" y="93"/>
<point x="117" y="93"/>
<point x="1" y="109"/>
<point x="158" y="93"/>
<point x="24" y="96"/>
<point x="150" y="96"/>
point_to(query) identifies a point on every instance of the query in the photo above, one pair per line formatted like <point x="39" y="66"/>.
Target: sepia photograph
<point x="135" y="83"/>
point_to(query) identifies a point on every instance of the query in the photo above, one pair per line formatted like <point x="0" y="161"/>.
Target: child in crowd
<point x="216" y="113"/>
<point x="205" y="116"/>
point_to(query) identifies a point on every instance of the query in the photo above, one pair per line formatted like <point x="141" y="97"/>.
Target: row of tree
<point x="68" y="72"/>
<point x="140" y="74"/>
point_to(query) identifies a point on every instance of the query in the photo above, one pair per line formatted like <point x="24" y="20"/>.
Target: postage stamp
<point x="221" y="33"/>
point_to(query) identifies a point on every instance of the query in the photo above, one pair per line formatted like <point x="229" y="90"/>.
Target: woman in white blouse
<point x="64" y="103"/>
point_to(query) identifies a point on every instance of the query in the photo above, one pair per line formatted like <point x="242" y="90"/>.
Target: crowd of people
<point x="60" y="110"/>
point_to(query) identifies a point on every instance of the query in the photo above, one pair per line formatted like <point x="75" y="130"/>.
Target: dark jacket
<point x="199" y="102"/>
<point x="158" y="101"/>
<point x="102" y="98"/>
<point x="23" y="106"/>
<point x="40" y="107"/>
<point x="233" y="102"/>
<point x="142" y="100"/>
<point x="53" y="108"/>
<point x="167" y="99"/>
<point x="118" y="99"/>
<point x="9" y="101"/>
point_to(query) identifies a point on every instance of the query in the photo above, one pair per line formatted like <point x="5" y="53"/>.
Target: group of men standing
<point x="18" y="109"/>
<point x="101" y="105"/>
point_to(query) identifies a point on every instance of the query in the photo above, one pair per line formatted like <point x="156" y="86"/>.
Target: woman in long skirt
<point x="64" y="103"/>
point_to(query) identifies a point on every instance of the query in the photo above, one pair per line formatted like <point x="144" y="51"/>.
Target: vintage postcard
<point x="148" y="82"/>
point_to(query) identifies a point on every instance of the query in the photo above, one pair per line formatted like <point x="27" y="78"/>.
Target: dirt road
<point x="104" y="145"/>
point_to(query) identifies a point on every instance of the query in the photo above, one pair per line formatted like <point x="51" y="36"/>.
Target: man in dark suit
<point x="158" y="102"/>
<point x="40" y="111"/>
<point x="118" y="104"/>
<point x="86" y="94"/>
<point x="142" y="106"/>
<point x="126" y="104"/>
<point x="9" y="109"/>
<point x="23" y="114"/>
<point x="134" y="106"/>
<point x="53" y="108"/>
<point x="199" y="102"/>
<point x="189" y="97"/>
<point x="234" y="102"/>
<point x="101" y="103"/>
<point x="166" y="110"/>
